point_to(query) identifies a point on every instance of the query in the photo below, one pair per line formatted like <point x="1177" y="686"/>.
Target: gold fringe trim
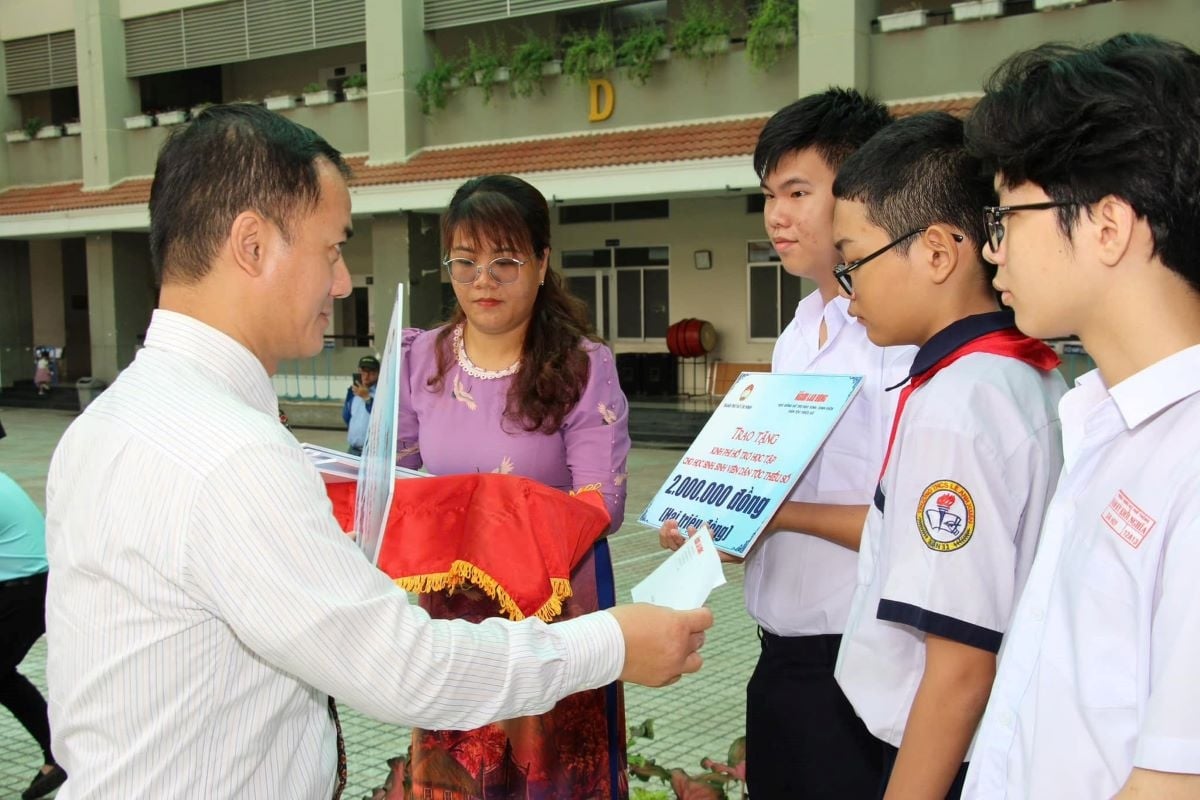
<point x="591" y="487"/>
<point x="463" y="571"/>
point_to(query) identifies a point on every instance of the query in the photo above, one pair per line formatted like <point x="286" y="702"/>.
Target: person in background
<point x="803" y="738"/>
<point x="204" y="603"/>
<point x="22" y="621"/>
<point x="516" y="382"/>
<point x="360" y="396"/>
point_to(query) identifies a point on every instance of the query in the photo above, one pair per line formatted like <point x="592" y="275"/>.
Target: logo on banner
<point x="745" y="393"/>
<point x="946" y="516"/>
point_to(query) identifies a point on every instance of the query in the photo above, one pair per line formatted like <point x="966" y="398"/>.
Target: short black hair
<point x="1120" y="118"/>
<point x="230" y="159"/>
<point x="835" y="123"/>
<point x="916" y="173"/>
<point x="502" y="210"/>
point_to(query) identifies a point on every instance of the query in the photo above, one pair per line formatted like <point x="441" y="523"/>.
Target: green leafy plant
<point x="639" y="50"/>
<point x="32" y="126"/>
<point x="701" y="24"/>
<point x="771" y="30"/>
<point x="309" y="88"/>
<point x="588" y="54"/>
<point x="526" y="61"/>
<point x="433" y="87"/>
<point x="710" y="785"/>
<point x="356" y="81"/>
<point x="484" y="62"/>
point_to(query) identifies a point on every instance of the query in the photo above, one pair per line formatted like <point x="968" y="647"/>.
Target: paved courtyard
<point x="696" y="717"/>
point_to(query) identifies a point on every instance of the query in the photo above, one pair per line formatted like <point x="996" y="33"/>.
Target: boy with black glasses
<point x="972" y="459"/>
<point x="1096" y="156"/>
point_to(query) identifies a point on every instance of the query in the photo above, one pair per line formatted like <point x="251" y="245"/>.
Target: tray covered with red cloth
<point x="513" y="537"/>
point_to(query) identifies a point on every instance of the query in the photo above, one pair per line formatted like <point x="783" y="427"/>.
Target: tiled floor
<point x="696" y="717"/>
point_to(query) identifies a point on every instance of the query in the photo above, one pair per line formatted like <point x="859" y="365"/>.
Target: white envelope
<point x="686" y="578"/>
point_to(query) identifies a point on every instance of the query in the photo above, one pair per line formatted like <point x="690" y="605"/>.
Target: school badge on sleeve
<point x="945" y="516"/>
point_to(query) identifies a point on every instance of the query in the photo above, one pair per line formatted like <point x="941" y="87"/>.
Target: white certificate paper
<point x="686" y="578"/>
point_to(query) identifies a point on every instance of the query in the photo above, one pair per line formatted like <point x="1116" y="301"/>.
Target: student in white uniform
<point x="1098" y="689"/>
<point x="803" y="738"/>
<point x="972" y="460"/>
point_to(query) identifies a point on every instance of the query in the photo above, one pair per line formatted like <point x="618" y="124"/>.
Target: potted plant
<point x="771" y="30"/>
<point x="317" y="95"/>
<point x="977" y="9"/>
<point x="73" y="127"/>
<point x="903" y="19"/>
<point x="137" y="121"/>
<point x="527" y="64"/>
<point x="640" y="50"/>
<point x="172" y="117"/>
<point x="1044" y="5"/>
<point x="49" y="132"/>
<point x="355" y="86"/>
<point x="279" y="100"/>
<point x="27" y="131"/>
<point x="485" y="65"/>
<point x="703" y="31"/>
<point x="434" y="86"/>
<point x="585" y="55"/>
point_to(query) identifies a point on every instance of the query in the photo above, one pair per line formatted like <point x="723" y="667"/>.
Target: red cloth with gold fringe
<point x="513" y="537"/>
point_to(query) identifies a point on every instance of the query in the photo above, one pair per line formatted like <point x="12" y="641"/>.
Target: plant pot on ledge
<point x="356" y="93"/>
<point x="977" y="9"/>
<point x="903" y="20"/>
<point x="49" y="132"/>
<point x="138" y="121"/>
<point x="16" y="136"/>
<point x="279" y="102"/>
<point x="173" y="117"/>
<point x="321" y="97"/>
<point x="73" y="128"/>
<point x="1047" y="5"/>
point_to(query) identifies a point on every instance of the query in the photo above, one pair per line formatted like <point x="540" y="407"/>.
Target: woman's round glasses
<point x="502" y="270"/>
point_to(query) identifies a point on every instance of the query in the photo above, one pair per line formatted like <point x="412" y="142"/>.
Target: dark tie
<point x="341" y="751"/>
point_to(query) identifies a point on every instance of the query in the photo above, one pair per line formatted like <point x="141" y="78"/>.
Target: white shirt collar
<point x="216" y="352"/>
<point x="1162" y="384"/>
<point x="812" y="309"/>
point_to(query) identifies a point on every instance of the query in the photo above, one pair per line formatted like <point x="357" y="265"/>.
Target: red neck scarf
<point x="1006" y="341"/>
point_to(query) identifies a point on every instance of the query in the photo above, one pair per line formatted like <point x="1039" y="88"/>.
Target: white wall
<point x="22" y="18"/>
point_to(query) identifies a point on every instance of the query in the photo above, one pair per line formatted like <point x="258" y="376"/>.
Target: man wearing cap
<point x="356" y="411"/>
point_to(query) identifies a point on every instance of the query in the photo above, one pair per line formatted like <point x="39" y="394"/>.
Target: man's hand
<point x="362" y="391"/>
<point x="661" y="645"/>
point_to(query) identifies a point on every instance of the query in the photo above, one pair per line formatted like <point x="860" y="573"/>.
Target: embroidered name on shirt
<point x="1127" y="520"/>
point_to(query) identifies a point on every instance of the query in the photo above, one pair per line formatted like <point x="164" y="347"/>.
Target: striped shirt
<point x="203" y="602"/>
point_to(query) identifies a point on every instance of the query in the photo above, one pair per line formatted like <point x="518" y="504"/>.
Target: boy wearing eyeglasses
<point x="972" y="458"/>
<point x="1098" y="175"/>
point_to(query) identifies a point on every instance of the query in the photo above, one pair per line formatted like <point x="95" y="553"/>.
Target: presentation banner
<point x="750" y="454"/>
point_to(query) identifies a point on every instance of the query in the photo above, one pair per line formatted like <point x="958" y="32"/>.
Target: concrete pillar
<point x="397" y="54"/>
<point x="46" y="284"/>
<point x="390" y="254"/>
<point x="834" y="46"/>
<point x="106" y="96"/>
<point x="121" y="295"/>
<point x="16" y="319"/>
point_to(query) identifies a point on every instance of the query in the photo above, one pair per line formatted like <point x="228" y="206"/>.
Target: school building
<point x="636" y="119"/>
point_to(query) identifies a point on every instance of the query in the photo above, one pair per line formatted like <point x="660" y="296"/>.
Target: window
<point x="643" y="306"/>
<point x="588" y="275"/>
<point x="610" y="212"/>
<point x="773" y="292"/>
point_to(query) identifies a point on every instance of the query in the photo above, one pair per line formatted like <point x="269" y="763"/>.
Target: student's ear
<point x="248" y="242"/>
<point x="943" y="253"/>
<point x="1114" y="222"/>
<point x="544" y="265"/>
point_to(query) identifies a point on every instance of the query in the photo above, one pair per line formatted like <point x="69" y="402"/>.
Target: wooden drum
<point x="691" y="338"/>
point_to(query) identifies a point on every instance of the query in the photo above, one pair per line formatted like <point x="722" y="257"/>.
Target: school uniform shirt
<point x="951" y="532"/>
<point x="1100" y="672"/>
<point x="797" y="584"/>
<point x="203" y="602"/>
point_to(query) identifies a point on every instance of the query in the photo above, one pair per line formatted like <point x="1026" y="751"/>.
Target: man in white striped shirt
<point x="203" y="603"/>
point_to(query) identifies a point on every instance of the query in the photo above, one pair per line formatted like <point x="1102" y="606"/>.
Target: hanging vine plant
<point x="771" y="31"/>
<point x="588" y="54"/>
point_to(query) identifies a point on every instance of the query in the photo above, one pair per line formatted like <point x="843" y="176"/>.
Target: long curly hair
<point x="510" y="213"/>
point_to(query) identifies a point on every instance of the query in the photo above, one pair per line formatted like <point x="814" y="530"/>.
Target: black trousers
<point x="889" y="763"/>
<point x="22" y="621"/>
<point x="803" y="739"/>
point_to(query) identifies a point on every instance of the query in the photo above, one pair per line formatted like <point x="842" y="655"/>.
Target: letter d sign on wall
<point x="602" y="97"/>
